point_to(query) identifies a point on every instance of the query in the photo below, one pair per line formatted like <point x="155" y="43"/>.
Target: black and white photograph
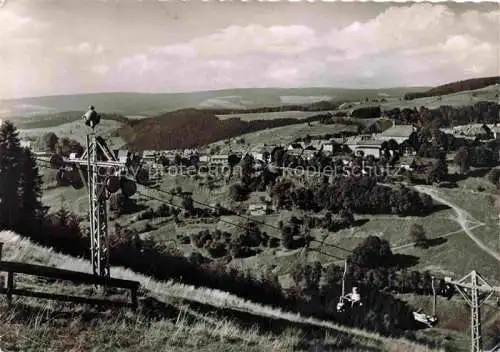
<point x="244" y="175"/>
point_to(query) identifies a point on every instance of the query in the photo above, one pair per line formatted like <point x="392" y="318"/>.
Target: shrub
<point x="417" y="233"/>
<point x="494" y="176"/>
<point x="239" y="192"/>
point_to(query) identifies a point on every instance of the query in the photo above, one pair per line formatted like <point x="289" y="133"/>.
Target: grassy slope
<point x="455" y="257"/>
<point x="459" y="86"/>
<point x="77" y="130"/>
<point x="455" y="99"/>
<point x="272" y="115"/>
<point x="132" y="333"/>
<point x="287" y="134"/>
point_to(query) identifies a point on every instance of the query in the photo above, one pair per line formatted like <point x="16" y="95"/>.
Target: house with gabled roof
<point x="365" y="146"/>
<point x="399" y="133"/>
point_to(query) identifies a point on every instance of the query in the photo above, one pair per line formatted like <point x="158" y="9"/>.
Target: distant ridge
<point x="149" y="104"/>
<point x="455" y="87"/>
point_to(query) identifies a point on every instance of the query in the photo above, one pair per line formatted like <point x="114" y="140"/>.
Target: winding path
<point x="463" y="218"/>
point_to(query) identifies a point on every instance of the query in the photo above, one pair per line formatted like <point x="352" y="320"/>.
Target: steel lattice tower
<point x="470" y="287"/>
<point x="97" y="211"/>
<point x="101" y="164"/>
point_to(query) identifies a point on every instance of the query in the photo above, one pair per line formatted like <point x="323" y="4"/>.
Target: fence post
<point x="2" y="278"/>
<point x="10" y="286"/>
<point x="133" y="295"/>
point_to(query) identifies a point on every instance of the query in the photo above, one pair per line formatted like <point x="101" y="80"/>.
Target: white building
<point x="496" y="132"/>
<point x="219" y="159"/>
<point x="327" y="148"/>
<point x="399" y="133"/>
<point x="149" y="155"/>
<point x="25" y="144"/>
<point x="257" y="156"/>
<point x="366" y="147"/>
<point x="204" y="159"/>
<point x="257" y="209"/>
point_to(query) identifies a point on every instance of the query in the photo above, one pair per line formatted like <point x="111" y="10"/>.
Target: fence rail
<point x="13" y="268"/>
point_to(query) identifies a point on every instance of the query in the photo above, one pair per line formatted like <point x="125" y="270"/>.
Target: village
<point x="358" y="145"/>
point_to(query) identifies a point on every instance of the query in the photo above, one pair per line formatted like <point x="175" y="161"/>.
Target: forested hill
<point x="188" y="128"/>
<point x="455" y="87"/>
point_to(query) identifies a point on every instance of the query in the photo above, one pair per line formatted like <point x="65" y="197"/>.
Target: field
<point x="77" y="130"/>
<point x="456" y="99"/>
<point x="273" y="115"/>
<point x="287" y="134"/>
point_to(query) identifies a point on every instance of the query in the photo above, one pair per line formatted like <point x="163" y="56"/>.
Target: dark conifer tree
<point x="30" y="193"/>
<point x="10" y="175"/>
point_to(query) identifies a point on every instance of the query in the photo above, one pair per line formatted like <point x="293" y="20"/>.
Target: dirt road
<point x="463" y="218"/>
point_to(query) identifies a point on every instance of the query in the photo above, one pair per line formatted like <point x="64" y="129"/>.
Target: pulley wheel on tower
<point x="73" y="178"/>
<point x="142" y="176"/>
<point x="129" y="187"/>
<point x="76" y="180"/>
<point x="113" y="184"/>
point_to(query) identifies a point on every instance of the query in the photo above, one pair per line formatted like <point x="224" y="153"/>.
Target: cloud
<point x="10" y="22"/>
<point x="419" y="44"/>
<point x="83" y="48"/>
<point x="399" y="46"/>
<point x="251" y="39"/>
<point x="100" y="69"/>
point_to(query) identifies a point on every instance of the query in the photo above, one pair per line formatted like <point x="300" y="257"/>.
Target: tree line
<point x="447" y="116"/>
<point x="362" y="195"/>
<point x="21" y="209"/>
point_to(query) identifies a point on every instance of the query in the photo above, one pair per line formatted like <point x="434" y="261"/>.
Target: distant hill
<point x="53" y="120"/>
<point x="190" y="128"/>
<point x="455" y="87"/>
<point x="156" y="103"/>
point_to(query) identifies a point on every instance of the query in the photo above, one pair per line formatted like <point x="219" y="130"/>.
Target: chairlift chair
<point x="426" y="319"/>
<point x="429" y="320"/>
<point x="354" y="297"/>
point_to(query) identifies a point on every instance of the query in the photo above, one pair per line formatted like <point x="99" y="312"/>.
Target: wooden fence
<point x="13" y="268"/>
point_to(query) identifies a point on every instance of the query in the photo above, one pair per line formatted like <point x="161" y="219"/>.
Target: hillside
<point x="77" y="131"/>
<point x="156" y="103"/>
<point x="57" y="119"/>
<point x="191" y="127"/>
<point x="171" y="315"/>
<point x="455" y="87"/>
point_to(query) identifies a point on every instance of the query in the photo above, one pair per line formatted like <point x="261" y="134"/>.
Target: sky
<point x="51" y="47"/>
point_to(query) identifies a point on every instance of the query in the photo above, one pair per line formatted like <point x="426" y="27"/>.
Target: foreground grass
<point x="17" y="249"/>
<point x="47" y="328"/>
